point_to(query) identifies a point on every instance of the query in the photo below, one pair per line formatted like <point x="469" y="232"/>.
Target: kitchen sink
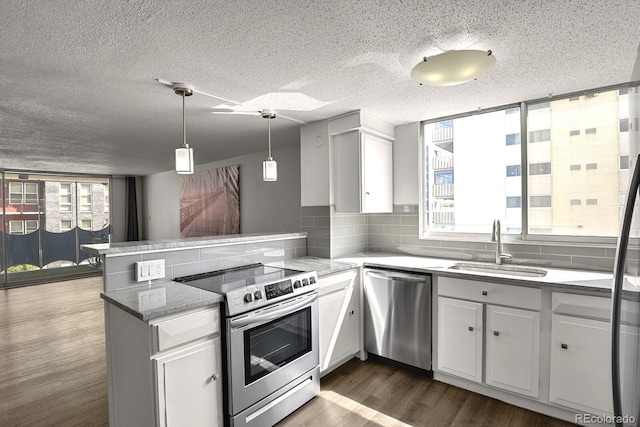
<point x="507" y="270"/>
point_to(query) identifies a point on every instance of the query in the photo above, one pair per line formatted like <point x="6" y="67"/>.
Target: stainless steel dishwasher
<point x="397" y="316"/>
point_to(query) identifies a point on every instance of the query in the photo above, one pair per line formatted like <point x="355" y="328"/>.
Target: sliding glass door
<point x="46" y="218"/>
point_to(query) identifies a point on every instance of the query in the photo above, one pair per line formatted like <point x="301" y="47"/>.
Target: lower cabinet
<point x="488" y="343"/>
<point x="166" y="372"/>
<point x="189" y="385"/>
<point x="339" y="319"/>
<point x="513" y="349"/>
<point x="581" y="364"/>
<point x="460" y="338"/>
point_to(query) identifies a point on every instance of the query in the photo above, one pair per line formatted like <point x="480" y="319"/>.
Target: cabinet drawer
<point x="336" y="282"/>
<point x="179" y="330"/>
<point x="490" y="293"/>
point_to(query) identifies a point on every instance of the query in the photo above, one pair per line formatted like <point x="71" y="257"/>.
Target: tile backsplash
<point x="397" y="232"/>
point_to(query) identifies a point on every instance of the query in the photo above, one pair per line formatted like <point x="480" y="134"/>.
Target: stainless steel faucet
<point x="496" y="237"/>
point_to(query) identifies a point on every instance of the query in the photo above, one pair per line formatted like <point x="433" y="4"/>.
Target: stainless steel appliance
<point x="397" y="316"/>
<point x="271" y="340"/>
<point x="625" y="311"/>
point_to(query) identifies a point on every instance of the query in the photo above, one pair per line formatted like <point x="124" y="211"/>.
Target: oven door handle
<point x="271" y="315"/>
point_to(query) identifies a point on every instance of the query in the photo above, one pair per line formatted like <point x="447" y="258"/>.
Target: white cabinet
<point x="460" y="338"/>
<point x="189" y="385"/>
<point x="513" y="349"/>
<point x="510" y="358"/>
<point x="363" y="173"/>
<point x="339" y="319"/>
<point x="166" y="372"/>
<point x="581" y="364"/>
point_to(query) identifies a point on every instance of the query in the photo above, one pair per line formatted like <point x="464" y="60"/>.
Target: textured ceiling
<point x="79" y="90"/>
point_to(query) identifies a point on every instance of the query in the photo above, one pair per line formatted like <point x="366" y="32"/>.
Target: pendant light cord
<point x="269" y="120"/>
<point x="184" y="124"/>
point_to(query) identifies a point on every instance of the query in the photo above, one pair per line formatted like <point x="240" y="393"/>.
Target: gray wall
<point x="264" y="206"/>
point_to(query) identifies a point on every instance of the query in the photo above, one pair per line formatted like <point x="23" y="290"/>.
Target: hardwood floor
<point x="372" y="394"/>
<point x="53" y="373"/>
<point x="52" y="355"/>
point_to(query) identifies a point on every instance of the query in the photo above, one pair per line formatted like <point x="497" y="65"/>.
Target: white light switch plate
<point x="149" y="270"/>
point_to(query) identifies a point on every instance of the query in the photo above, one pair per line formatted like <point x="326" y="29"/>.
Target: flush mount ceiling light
<point x="453" y="67"/>
<point x="269" y="166"/>
<point x="184" y="153"/>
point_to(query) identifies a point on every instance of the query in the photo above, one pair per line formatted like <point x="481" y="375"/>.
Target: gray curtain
<point x="131" y="209"/>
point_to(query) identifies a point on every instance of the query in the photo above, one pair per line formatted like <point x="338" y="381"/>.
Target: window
<point x="540" y="135"/>
<point x="624" y="162"/>
<point x="65" y="197"/>
<point x="575" y="98"/>
<point x="106" y="198"/>
<point x="479" y="142"/>
<point x="514" y="202"/>
<point x="85" y="197"/>
<point x="540" y="169"/>
<point x="15" y="194"/>
<point x="443" y="177"/>
<point x="623" y="91"/>
<point x="513" y="139"/>
<point x="540" y="201"/>
<point x="31" y="193"/>
<point x="624" y="125"/>
<point x="16" y="227"/>
<point x="86" y="224"/>
<point x="557" y="199"/>
<point x="574" y="132"/>
<point x="513" y="170"/>
<point x="512" y="111"/>
<point x="65" y="225"/>
<point x="31" y="226"/>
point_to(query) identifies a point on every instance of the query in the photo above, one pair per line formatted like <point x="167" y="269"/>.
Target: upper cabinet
<point x="347" y="161"/>
<point x="362" y="160"/>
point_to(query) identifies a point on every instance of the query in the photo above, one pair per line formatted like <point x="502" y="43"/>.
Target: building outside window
<point x="65" y="197"/>
<point x="65" y="225"/>
<point x="86" y="224"/>
<point x="15" y="193"/>
<point x="31" y="193"/>
<point x="85" y="198"/>
<point x="16" y="227"/>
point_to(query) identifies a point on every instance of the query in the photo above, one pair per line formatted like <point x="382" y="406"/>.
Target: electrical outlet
<point x="149" y="270"/>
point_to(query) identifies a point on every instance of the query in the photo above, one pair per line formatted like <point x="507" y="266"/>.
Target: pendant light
<point x="453" y="67"/>
<point x="269" y="166"/>
<point x="184" y="153"/>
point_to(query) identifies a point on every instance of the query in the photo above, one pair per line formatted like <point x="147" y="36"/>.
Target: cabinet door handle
<point x="471" y="328"/>
<point x="214" y="377"/>
<point x="496" y="333"/>
<point x="485" y="293"/>
<point x="565" y="346"/>
<point x="352" y="312"/>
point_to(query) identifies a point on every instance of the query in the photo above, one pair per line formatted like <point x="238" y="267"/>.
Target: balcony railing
<point x="443" y="190"/>
<point x="444" y="162"/>
<point x="442" y="134"/>
<point x="443" y="218"/>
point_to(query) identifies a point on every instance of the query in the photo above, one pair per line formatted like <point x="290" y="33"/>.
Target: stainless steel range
<point x="271" y="340"/>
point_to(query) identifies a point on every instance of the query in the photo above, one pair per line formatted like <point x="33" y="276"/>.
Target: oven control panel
<point x="260" y="295"/>
<point x="275" y="290"/>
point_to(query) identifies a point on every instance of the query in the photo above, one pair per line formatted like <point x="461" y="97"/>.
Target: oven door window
<point x="272" y="345"/>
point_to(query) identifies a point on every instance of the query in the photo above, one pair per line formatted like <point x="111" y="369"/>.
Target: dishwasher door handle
<point x="396" y="276"/>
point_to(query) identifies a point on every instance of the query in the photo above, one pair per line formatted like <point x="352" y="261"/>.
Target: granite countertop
<point x="322" y="266"/>
<point x="192" y="242"/>
<point x="578" y="280"/>
<point x="148" y="302"/>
